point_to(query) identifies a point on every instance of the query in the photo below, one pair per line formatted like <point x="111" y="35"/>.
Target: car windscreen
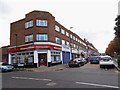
<point x="5" y="64"/>
<point x="94" y="58"/>
<point x="106" y="58"/>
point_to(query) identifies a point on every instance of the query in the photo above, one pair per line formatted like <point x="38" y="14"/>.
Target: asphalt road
<point x="87" y="76"/>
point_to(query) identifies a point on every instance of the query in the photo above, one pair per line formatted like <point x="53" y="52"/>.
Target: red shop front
<point x="35" y="55"/>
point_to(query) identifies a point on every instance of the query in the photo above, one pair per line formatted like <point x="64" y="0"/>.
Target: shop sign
<point x="42" y="46"/>
<point x="66" y="48"/>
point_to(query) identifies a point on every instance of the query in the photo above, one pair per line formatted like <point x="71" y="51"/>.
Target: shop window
<point x="41" y="23"/>
<point x="26" y="58"/>
<point x="30" y="60"/>
<point x="55" y="57"/>
<point x="14" y="61"/>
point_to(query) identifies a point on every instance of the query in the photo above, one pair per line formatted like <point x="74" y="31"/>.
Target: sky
<point x="90" y="19"/>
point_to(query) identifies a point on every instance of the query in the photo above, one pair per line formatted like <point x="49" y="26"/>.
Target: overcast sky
<point x="90" y="19"/>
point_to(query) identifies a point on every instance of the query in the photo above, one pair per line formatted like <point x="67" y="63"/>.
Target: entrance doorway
<point x="42" y="59"/>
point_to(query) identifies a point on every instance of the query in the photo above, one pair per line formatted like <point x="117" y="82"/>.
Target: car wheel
<point x="69" y="66"/>
<point x="79" y="65"/>
<point x="100" y="66"/>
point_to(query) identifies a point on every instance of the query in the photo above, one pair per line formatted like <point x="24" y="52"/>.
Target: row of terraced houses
<point x="38" y="39"/>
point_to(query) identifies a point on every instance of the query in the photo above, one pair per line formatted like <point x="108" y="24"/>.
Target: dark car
<point x="76" y="62"/>
<point x="94" y="59"/>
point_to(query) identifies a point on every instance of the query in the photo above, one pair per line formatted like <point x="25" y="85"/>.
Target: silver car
<point x="5" y="67"/>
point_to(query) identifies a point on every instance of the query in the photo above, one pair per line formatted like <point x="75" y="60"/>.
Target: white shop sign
<point x="66" y="48"/>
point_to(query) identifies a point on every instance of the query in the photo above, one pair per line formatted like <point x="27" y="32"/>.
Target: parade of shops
<point x="38" y="39"/>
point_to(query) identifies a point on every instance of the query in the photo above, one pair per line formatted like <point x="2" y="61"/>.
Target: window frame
<point x="56" y="40"/>
<point x="29" y="24"/>
<point x="41" y="23"/>
<point x="63" y="31"/>
<point x="57" y="28"/>
<point x="29" y="38"/>
<point x="41" y="37"/>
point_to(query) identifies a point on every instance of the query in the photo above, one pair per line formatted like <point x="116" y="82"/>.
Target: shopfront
<point x="65" y="54"/>
<point x="35" y="55"/>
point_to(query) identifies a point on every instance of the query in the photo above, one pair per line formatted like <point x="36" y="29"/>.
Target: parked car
<point x="84" y="60"/>
<point x="94" y="59"/>
<point x="77" y="62"/>
<point x="5" y="67"/>
<point x="106" y="61"/>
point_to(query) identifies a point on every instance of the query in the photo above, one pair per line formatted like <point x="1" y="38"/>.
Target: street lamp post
<point x="71" y="44"/>
<point x="16" y="37"/>
<point x="87" y="48"/>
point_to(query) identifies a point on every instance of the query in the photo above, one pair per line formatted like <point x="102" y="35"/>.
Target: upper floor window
<point x="67" y="43"/>
<point x="28" y="38"/>
<point x="67" y="34"/>
<point x="41" y="37"/>
<point x="63" y="42"/>
<point x="57" y="40"/>
<point x="74" y="45"/>
<point x="29" y="24"/>
<point x="62" y="31"/>
<point x="70" y="35"/>
<point x="76" y="39"/>
<point x="73" y="37"/>
<point x="41" y="23"/>
<point x="57" y="28"/>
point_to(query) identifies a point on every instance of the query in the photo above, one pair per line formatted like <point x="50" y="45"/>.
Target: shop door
<point x="66" y="57"/>
<point x="42" y="60"/>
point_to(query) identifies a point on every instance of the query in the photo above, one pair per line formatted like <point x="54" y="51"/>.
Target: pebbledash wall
<point x="39" y="40"/>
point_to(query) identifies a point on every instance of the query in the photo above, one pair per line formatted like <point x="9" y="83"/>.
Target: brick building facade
<point x="38" y="39"/>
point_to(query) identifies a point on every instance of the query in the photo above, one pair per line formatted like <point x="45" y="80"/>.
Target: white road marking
<point x="93" y="84"/>
<point x="51" y="84"/>
<point x="31" y="78"/>
<point x="117" y="72"/>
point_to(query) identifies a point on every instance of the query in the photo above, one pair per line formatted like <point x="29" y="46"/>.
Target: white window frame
<point x="71" y="36"/>
<point x="57" y="40"/>
<point x="67" y="34"/>
<point x="41" y="37"/>
<point x="76" y="39"/>
<point x="62" y="31"/>
<point x="63" y="42"/>
<point x="67" y="43"/>
<point x="29" y="24"/>
<point x="29" y="38"/>
<point x="40" y="22"/>
<point x="57" y="28"/>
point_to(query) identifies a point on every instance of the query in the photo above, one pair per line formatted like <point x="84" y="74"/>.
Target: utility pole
<point x="16" y="37"/>
<point x="71" y="44"/>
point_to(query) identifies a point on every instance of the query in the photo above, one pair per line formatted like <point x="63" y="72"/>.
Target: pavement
<point x="48" y="69"/>
<point x="58" y="68"/>
<point x="116" y="65"/>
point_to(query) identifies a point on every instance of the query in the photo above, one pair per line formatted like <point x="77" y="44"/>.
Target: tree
<point x="117" y="34"/>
